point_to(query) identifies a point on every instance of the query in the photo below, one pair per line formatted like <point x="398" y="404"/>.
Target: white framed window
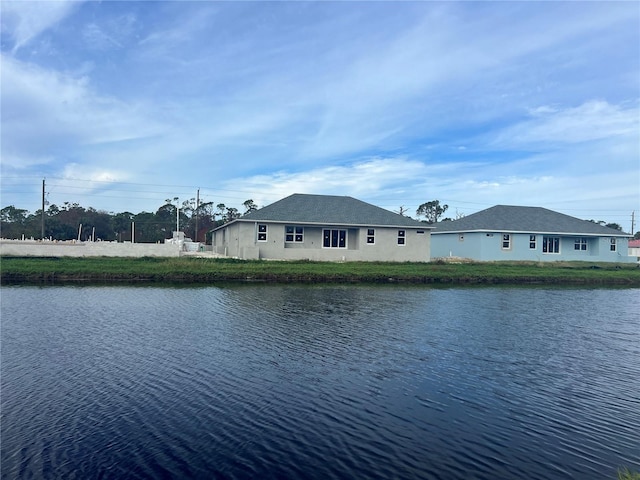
<point x="402" y="235"/>
<point x="613" y="245"/>
<point x="580" y="244"/>
<point x="262" y="232"/>
<point x="550" y="244"/>
<point x="334" y="238"/>
<point x="532" y="242"/>
<point x="506" y="241"/>
<point x="371" y="236"/>
<point x="293" y="233"/>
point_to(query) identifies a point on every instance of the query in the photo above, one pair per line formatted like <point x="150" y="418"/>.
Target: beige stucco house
<point x="324" y="228"/>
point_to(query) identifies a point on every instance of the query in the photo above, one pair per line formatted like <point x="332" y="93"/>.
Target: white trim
<point x="561" y="234"/>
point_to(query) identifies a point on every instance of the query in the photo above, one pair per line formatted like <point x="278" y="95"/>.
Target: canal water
<point x="326" y="382"/>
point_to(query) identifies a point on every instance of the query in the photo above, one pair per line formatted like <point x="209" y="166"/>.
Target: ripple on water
<point x="319" y="382"/>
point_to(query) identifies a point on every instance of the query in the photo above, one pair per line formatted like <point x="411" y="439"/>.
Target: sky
<point x="120" y="105"/>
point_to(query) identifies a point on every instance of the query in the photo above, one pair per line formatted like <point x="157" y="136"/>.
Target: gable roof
<point x="330" y="210"/>
<point x="508" y="218"/>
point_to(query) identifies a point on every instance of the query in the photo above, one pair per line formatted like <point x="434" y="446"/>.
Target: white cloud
<point x="368" y="179"/>
<point x="47" y="114"/>
<point x="25" y="20"/>
<point x="593" y="120"/>
<point x="94" y="175"/>
<point x="97" y="38"/>
<point x="392" y="183"/>
<point x="396" y="105"/>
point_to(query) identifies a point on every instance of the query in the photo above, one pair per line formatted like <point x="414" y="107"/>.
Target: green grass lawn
<point x="626" y="474"/>
<point x="207" y="270"/>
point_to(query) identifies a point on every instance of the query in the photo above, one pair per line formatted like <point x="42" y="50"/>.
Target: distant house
<point x="634" y="248"/>
<point x="527" y="233"/>
<point x="324" y="227"/>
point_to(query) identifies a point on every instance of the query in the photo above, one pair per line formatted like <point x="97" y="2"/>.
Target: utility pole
<point x="177" y="215"/>
<point x="197" y="206"/>
<point x="633" y="219"/>
<point x="42" y="230"/>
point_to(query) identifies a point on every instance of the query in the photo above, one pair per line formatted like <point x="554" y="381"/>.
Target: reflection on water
<point x="265" y="381"/>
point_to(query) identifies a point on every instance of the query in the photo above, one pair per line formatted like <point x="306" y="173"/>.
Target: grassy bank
<point x="206" y="270"/>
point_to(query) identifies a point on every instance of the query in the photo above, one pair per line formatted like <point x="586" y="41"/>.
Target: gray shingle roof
<point x="330" y="210"/>
<point x="507" y="218"/>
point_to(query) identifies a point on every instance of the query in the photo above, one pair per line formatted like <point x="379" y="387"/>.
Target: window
<point x="371" y="236"/>
<point x="580" y="244"/>
<point x="420" y="232"/>
<point x="612" y="245"/>
<point x="262" y="232"/>
<point x="550" y="244"/>
<point x="532" y="242"/>
<point x="506" y="241"/>
<point x="334" y="238"/>
<point x="401" y="237"/>
<point x="294" y="234"/>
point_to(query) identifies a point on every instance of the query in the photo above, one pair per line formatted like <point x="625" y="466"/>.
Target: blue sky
<point x="120" y="105"/>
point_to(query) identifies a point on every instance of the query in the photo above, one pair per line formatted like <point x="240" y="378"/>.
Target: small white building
<point x="634" y="249"/>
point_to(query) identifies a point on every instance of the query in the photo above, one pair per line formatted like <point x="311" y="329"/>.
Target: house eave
<point x="325" y="224"/>
<point x="533" y="232"/>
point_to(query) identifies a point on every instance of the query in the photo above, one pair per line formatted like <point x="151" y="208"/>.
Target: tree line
<point x="71" y="221"/>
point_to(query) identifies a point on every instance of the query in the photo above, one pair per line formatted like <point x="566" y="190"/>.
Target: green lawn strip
<point x="626" y="474"/>
<point x="204" y="270"/>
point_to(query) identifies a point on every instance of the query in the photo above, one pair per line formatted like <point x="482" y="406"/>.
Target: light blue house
<point x="527" y="234"/>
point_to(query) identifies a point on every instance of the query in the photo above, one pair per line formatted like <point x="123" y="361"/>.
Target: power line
<point x="115" y="182"/>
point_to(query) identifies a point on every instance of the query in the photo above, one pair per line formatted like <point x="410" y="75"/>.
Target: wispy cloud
<point x="475" y="103"/>
<point x="23" y="20"/>
<point x="67" y="114"/>
<point x="548" y="126"/>
<point x="364" y="179"/>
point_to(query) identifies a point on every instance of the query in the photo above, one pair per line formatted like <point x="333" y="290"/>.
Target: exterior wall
<point x="451" y="245"/>
<point x="240" y="239"/>
<point x="487" y="246"/>
<point x="87" y="249"/>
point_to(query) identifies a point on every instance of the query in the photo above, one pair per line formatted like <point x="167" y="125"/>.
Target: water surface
<point x="266" y="381"/>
